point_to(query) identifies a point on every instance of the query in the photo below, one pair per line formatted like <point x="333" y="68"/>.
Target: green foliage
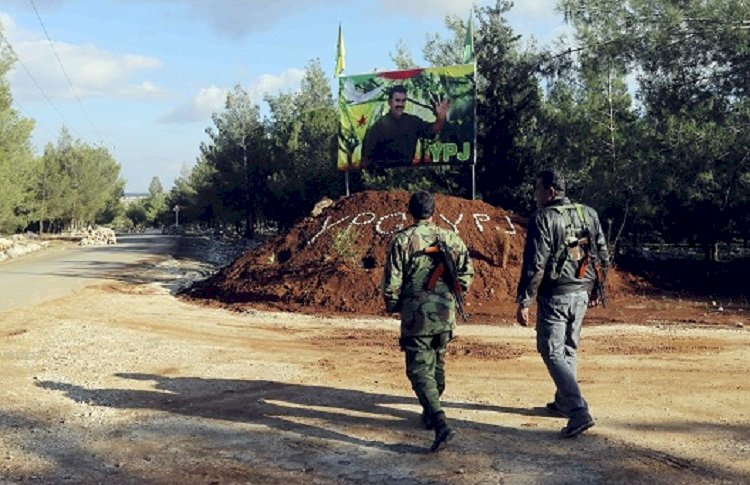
<point x="15" y="155"/>
<point x="346" y="246"/>
<point x="303" y="132"/>
<point x="137" y="214"/>
<point x="509" y="105"/>
<point x="155" y="204"/>
<point x="402" y="58"/>
<point x="440" y="52"/>
<point x="153" y="210"/>
<point x="277" y="169"/>
<point x="237" y="155"/>
<point x="444" y="179"/>
<point x="74" y="185"/>
<point x="592" y="131"/>
<point x="683" y="157"/>
<point x="194" y="192"/>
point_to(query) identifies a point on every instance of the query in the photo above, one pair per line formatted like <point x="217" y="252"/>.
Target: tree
<point x="303" y="134"/>
<point x="508" y="108"/>
<point x="238" y="155"/>
<point x="195" y="193"/>
<point x="691" y="60"/>
<point x="137" y="214"/>
<point x="591" y="130"/>
<point x="402" y="58"/>
<point x="447" y="52"/>
<point x="15" y="154"/>
<point x="76" y="184"/>
<point x="156" y="202"/>
<point x="49" y="190"/>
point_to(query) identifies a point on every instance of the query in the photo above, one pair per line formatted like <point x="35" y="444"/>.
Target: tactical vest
<point x="577" y="241"/>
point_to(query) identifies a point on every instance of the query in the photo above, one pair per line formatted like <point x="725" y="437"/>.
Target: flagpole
<point x="476" y="127"/>
<point x="340" y="65"/>
<point x="469" y="54"/>
<point x="346" y="175"/>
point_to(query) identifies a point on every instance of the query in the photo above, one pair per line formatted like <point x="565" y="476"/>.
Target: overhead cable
<point x="28" y="73"/>
<point x="70" y="83"/>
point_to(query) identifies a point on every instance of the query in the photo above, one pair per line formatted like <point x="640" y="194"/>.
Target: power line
<point x="70" y="83"/>
<point x="28" y="73"/>
<point x="36" y="122"/>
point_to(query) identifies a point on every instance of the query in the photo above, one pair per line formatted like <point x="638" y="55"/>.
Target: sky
<point x="142" y="77"/>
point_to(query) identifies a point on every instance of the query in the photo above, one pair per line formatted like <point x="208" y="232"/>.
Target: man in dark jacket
<point x="564" y="248"/>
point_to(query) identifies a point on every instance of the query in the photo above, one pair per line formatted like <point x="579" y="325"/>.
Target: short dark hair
<point x="396" y="89"/>
<point x="421" y="205"/>
<point x="552" y="179"/>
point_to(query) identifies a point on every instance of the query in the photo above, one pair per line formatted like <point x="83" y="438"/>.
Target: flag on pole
<point x="468" y="42"/>
<point x="340" y="55"/>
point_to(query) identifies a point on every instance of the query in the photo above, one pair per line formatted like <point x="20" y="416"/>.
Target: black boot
<point x="427" y="420"/>
<point x="443" y="432"/>
<point x="577" y="424"/>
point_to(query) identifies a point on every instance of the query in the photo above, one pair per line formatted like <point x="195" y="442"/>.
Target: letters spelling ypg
<point x="396" y="220"/>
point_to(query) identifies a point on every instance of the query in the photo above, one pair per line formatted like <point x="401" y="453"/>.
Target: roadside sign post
<point x="176" y="210"/>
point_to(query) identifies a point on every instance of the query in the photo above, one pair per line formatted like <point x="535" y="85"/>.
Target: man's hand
<point x="441" y="108"/>
<point x="594" y="301"/>
<point x="522" y="315"/>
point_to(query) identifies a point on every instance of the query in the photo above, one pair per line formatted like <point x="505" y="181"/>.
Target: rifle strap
<point x="568" y="213"/>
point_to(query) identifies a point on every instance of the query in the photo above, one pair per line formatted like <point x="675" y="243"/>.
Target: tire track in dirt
<point x="384" y="339"/>
<point x="647" y="345"/>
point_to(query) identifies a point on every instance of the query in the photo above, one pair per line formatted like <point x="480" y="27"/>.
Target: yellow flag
<point x="469" y="42"/>
<point x="340" y="55"/>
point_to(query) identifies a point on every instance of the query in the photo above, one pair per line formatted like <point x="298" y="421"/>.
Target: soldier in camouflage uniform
<point x="427" y="316"/>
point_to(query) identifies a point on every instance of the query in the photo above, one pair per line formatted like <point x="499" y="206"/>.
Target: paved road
<point x="51" y="274"/>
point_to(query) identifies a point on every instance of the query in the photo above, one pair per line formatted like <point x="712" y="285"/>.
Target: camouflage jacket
<point x="407" y="269"/>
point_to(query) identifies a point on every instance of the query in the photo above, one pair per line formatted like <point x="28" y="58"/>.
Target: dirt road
<point x="64" y="268"/>
<point x="119" y="382"/>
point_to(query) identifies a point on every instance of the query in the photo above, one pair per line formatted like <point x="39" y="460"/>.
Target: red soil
<point x="306" y="270"/>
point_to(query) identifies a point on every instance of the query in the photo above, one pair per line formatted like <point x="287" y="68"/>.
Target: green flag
<point x="340" y="55"/>
<point x="469" y="43"/>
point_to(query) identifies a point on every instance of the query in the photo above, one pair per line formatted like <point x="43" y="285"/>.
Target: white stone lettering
<point x="325" y="227"/>
<point x="365" y="218"/>
<point x="479" y="218"/>
<point x="453" y="224"/>
<point x="356" y="221"/>
<point x="398" y="227"/>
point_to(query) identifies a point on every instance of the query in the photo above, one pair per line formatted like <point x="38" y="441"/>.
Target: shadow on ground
<point x="352" y="436"/>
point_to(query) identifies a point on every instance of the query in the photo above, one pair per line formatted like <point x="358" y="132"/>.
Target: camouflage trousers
<point x="425" y="368"/>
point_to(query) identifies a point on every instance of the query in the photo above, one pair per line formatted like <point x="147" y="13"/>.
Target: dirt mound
<point x="333" y="263"/>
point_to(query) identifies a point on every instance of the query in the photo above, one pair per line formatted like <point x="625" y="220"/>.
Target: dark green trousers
<point x="425" y="368"/>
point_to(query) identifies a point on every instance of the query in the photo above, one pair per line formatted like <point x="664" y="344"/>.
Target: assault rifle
<point x="446" y="269"/>
<point x="588" y="258"/>
<point x="599" y="291"/>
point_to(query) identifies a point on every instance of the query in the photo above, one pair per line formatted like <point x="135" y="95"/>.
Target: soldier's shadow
<point x="291" y="408"/>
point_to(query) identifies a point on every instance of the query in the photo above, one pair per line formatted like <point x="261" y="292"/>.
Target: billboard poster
<point x="407" y="118"/>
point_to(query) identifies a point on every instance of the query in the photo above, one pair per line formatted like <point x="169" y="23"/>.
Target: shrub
<point x="346" y="246"/>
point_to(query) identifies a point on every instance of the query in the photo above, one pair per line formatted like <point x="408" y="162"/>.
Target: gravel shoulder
<point x="121" y="382"/>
